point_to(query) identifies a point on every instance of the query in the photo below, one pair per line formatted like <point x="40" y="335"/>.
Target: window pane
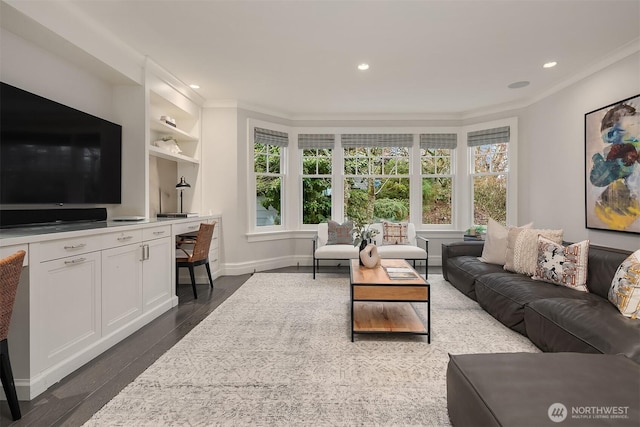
<point x="309" y="166"/>
<point x="268" y="196"/>
<point x="436" y="200"/>
<point x="274" y="164"/>
<point x="316" y="203"/>
<point x="369" y="200"/>
<point x="260" y="163"/>
<point x="428" y="165"/>
<point x="489" y="199"/>
<point x="491" y="158"/>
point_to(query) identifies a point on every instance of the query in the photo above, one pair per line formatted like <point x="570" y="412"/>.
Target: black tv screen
<point x="52" y="153"/>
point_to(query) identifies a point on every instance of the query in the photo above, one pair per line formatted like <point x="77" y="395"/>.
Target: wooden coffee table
<point x="382" y="305"/>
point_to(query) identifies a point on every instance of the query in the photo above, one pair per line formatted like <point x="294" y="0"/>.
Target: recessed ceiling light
<point x="363" y="67"/>
<point x="518" y="85"/>
<point x="550" y="64"/>
<point x="194" y="86"/>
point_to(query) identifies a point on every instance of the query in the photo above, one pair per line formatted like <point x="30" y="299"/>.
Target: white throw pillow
<point x="625" y="287"/>
<point x="563" y="265"/>
<point x="495" y="242"/>
<point x="522" y="248"/>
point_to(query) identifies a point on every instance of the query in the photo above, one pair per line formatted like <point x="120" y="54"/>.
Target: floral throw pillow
<point x="625" y="287"/>
<point x="563" y="265"/>
<point x="394" y="233"/>
<point x="340" y="234"/>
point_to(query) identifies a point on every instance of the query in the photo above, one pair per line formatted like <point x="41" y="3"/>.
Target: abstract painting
<point x="612" y="155"/>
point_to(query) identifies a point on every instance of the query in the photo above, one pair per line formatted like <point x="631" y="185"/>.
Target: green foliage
<point x="490" y="199"/>
<point x="316" y="202"/>
<point x="391" y="209"/>
<point x="268" y="191"/>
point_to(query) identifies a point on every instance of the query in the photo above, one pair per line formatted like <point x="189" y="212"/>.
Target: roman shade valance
<point x="489" y="136"/>
<point x="316" y="140"/>
<point x="436" y="141"/>
<point x="271" y="137"/>
<point x="351" y="140"/>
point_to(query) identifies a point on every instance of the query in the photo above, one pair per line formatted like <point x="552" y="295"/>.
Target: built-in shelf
<point x="177" y="133"/>
<point x="155" y="151"/>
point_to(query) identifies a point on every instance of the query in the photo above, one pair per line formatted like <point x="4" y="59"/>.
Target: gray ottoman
<point x="538" y="389"/>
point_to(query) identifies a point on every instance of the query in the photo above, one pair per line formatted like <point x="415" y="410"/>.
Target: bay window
<point x="316" y="151"/>
<point x="437" y="169"/>
<point x="489" y="173"/>
<point x="268" y="152"/>
<point x="376" y="176"/>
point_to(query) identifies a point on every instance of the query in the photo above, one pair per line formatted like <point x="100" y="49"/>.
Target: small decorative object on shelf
<point x="168" y="120"/>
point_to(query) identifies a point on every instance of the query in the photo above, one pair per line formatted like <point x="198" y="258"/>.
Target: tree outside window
<point x="436" y="151"/>
<point x="376" y="184"/>
<point x="316" y="185"/>
<point x="267" y="154"/>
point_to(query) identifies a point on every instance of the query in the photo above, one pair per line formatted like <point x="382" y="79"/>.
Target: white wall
<point x="552" y="163"/>
<point x="36" y="70"/>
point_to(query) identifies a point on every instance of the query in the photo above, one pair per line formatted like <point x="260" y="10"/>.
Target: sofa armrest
<point x="469" y="248"/>
<point x="425" y="241"/>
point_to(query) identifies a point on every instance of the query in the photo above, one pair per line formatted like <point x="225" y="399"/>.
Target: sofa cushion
<point x="337" y="252"/>
<point x="519" y="389"/>
<point x="340" y="234"/>
<point x="563" y="265"/>
<point x="586" y="326"/>
<point x="463" y="270"/>
<point x="603" y="264"/>
<point x="402" y="252"/>
<point x="504" y="296"/>
<point x="522" y="248"/>
<point x="625" y="286"/>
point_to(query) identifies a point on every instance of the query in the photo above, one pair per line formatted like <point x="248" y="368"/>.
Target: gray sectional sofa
<point x="554" y="318"/>
<point x="591" y="351"/>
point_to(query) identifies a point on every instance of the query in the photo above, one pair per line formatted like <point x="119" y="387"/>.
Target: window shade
<point x="438" y="141"/>
<point x="271" y="137"/>
<point x="488" y="136"/>
<point x="315" y="140"/>
<point x="351" y="140"/>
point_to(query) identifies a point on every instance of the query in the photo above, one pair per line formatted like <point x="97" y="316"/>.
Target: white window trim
<point x="251" y="185"/>
<point x="512" y="174"/>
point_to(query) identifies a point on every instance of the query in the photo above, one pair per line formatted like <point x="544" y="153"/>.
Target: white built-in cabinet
<point x="68" y="302"/>
<point x="85" y="293"/>
<point x="169" y="97"/>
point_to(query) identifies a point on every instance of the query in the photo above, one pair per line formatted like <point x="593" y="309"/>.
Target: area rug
<point x="279" y="352"/>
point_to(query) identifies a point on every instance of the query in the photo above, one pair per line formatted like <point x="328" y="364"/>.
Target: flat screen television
<point x="52" y="153"/>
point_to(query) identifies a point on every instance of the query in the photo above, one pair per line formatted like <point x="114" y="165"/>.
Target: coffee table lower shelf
<point x="372" y="317"/>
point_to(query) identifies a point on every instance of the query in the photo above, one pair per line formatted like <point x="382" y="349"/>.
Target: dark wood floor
<point x="72" y="401"/>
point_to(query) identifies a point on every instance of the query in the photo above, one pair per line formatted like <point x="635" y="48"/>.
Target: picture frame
<point x="612" y="167"/>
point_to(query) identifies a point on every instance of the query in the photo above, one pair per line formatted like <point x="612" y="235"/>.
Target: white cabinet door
<point x="69" y="302"/>
<point x="157" y="278"/>
<point x="121" y="286"/>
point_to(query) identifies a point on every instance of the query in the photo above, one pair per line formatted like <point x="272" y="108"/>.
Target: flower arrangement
<point x="363" y="233"/>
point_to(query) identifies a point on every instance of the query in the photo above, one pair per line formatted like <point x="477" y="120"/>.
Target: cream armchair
<point x="417" y="248"/>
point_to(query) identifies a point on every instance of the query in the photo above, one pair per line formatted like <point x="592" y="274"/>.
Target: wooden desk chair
<point x="199" y="255"/>
<point x="10" y="270"/>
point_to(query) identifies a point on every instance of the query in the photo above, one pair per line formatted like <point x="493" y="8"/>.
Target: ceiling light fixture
<point x="550" y="64"/>
<point x="363" y="67"/>
<point x="194" y="86"/>
<point x="518" y="85"/>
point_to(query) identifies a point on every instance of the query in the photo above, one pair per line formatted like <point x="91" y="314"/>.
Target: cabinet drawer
<point x="68" y="247"/>
<point x="112" y="240"/>
<point x="5" y="251"/>
<point x="187" y="227"/>
<point x="156" y="232"/>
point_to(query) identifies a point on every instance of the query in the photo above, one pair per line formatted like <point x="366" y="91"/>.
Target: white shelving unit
<point x="170" y="97"/>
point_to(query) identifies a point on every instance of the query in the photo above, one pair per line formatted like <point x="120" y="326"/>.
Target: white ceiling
<point x="426" y="57"/>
